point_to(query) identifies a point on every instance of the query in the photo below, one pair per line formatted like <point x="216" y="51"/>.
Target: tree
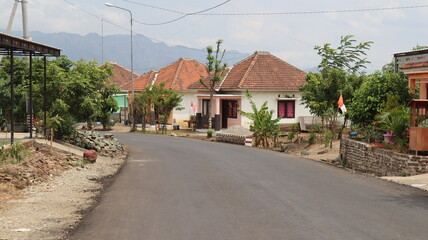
<point x="144" y="104"/>
<point x="165" y="101"/>
<point x="160" y="99"/>
<point x="419" y="47"/>
<point x="347" y="56"/>
<point x="322" y="90"/>
<point x="20" y="89"/>
<point x="370" y="98"/>
<point x="215" y="70"/>
<point x="74" y="91"/>
<point x="339" y="74"/>
<point x="108" y="104"/>
<point x="265" y="128"/>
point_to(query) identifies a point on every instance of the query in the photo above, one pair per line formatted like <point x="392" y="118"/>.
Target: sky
<point x="291" y="37"/>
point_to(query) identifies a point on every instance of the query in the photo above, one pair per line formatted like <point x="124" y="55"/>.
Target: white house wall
<point x="179" y="116"/>
<point x="272" y="98"/>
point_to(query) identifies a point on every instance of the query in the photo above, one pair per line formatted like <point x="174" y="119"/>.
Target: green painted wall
<point x="122" y="100"/>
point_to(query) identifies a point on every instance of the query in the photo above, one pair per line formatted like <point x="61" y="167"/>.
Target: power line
<point x="137" y="33"/>
<point x="185" y="15"/>
<point x="154" y="7"/>
<point x="280" y="13"/>
<point x="313" y="12"/>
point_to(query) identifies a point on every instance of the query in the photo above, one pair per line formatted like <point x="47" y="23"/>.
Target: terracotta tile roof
<point x="178" y="75"/>
<point x="198" y="85"/>
<point x="142" y="81"/>
<point x="262" y="71"/>
<point x="120" y="75"/>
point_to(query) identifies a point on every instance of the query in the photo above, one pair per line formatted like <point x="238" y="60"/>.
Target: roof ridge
<point x="248" y="70"/>
<point x="120" y="65"/>
<point x="174" y="81"/>
<point x="224" y="78"/>
<point x="287" y="63"/>
<point x="155" y="77"/>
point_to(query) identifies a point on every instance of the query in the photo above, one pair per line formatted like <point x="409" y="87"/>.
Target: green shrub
<point x="2" y="154"/>
<point x="17" y="151"/>
<point x="210" y="133"/>
<point x="312" y="138"/>
<point x="291" y="136"/>
<point x="328" y="137"/>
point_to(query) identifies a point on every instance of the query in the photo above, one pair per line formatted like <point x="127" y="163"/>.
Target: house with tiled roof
<point x="267" y="77"/>
<point x="178" y="75"/>
<point x="121" y="76"/>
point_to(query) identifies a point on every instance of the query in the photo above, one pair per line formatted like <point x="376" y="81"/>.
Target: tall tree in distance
<point x="347" y="56"/>
<point x="215" y="70"/>
<point x="339" y="73"/>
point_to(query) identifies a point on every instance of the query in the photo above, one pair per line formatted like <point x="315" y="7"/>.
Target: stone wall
<point x="106" y="144"/>
<point x="230" y="138"/>
<point x="364" y="158"/>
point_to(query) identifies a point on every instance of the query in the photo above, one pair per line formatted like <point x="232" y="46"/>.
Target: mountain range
<point x="148" y="54"/>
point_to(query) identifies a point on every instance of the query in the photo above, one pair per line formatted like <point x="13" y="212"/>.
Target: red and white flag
<point x="341" y="104"/>
<point x="193" y="106"/>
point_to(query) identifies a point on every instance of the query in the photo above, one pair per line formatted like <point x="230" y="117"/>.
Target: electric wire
<point x="154" y="7"/>
<point x="185" y="15"/>
<point x="315" y="12"/>
<point x="279" y="13"/>
<point x="135" y="32"/>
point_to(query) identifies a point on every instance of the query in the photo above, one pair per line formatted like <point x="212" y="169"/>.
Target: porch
<point x="225" y="111"/>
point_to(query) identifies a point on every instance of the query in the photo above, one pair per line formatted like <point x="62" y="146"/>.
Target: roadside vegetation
<point x="75" y="92"/>
<point x="375" y="103"/>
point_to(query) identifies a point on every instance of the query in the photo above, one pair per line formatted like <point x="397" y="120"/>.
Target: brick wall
<point x="364" y="158"/>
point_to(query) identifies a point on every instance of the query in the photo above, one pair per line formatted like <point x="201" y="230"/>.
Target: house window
<point x="286" y="109"/>
<point x="205" y="107"/>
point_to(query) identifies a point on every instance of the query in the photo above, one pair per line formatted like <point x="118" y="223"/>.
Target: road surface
<point x="184" y="189"/>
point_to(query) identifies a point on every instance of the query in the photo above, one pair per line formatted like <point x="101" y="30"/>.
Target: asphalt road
<point x="184" y="189"/>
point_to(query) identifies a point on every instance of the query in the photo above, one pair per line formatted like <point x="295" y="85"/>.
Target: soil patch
<point x="46" y="194"/>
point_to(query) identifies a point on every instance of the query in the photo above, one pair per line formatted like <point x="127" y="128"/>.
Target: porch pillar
<point x="199" y="106"/>
<point x="423" y="90"/>
<point x="412" y="85"/>
<point x="217" y="126"/>
<point x="198" y="113"/>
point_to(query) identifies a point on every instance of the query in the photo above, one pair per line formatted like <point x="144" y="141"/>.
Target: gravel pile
<point x="237" y="130"/>
<point x="106" y="145"/>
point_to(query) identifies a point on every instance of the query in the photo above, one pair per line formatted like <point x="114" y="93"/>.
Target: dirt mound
<point x="40" y="164"/>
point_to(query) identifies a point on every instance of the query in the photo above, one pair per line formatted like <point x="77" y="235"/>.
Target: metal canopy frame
<point x="13" y="46"/>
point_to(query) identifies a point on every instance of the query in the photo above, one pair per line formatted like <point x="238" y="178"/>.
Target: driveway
<point x="184" y="189"/>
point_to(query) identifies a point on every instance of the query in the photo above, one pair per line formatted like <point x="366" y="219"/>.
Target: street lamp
<point x="132" y="66"/>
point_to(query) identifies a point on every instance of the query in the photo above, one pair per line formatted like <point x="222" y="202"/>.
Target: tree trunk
<point x="342" y="128"/>
<point x="210" y="124"/>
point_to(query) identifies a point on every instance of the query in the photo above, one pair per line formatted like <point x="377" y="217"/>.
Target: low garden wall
<point x="364" y="158"/>
<point x="230" y="138"/>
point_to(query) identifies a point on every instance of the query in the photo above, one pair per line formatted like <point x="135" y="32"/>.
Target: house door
<point x="224" y="113"/>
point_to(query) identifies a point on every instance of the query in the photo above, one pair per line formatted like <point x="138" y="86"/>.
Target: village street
<point x="175" y="188"/>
